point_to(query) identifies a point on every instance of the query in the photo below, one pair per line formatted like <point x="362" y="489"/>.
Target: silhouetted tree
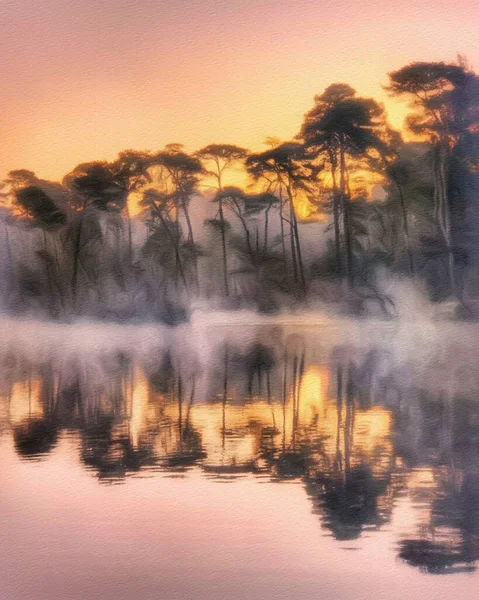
<point x="181" y="175"/>
<point x="343" y="127"/>
<point x="285" y="171"/>
<point x="98" y="195"/>
<point x="217" y="158"/>
<point x="445" y="99"/>
<point x="44" y="213"/>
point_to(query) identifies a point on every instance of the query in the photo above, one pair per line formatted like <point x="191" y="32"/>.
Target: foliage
<point x="407" y="209"/>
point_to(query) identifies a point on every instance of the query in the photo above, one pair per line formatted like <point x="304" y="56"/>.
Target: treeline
<point x="73" y="248"/>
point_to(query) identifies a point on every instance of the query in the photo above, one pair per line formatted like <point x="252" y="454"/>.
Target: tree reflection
<point x="34" y="422"/>
<point x="449" y="540"/>
<point x="432" y="557"/>
<point x="357" y="440"/>
<point x="349" y="501"/>
<point x="349" y="489"/>
<point x="35" y="438"/>
<point x="109" y="451"/>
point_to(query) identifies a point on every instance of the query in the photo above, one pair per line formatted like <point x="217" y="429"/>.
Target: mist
<point x="348" y="219"/>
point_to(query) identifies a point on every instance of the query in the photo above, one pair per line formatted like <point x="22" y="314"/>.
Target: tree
<point x="183" y="172"/>
<point x="261" y="265"/>
<point x="343" y="128"/>
<point x="131" y="170"/>
<point x="444" y="99"/>
<point x="180" y="173"/>
<point x="166" y="235"/>
<point x="97" y="192"/>
<point x="285" y="171"/>
<point x="37" y="205"/>
<point x="41" y="211"/>
<point x="95" y="185"/>
<point x="217" y="158"/>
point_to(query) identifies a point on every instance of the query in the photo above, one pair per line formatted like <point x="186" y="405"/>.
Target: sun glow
<point x="106" y="91"/>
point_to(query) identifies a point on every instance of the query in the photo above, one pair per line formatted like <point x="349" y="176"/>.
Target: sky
<point x="83" y="80"/>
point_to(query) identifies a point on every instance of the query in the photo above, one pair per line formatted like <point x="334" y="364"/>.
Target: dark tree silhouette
<point x="343" y="127"/>
<point x="394" y="208"/>
<point x="445" y="102"/>
<point x="285" y="171"/>
<point x="218" y="158"/>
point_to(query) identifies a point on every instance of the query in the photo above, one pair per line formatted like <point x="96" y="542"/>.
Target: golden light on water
<point x="25" y="403"/>
<point x="139" y="406"/>
<point x="372" y="427"/>
<point x="231" y="433"/>
<point x="321" y="432"/>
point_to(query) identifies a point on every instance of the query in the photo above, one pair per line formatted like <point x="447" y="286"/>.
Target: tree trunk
<point x="51" y="289"/>
<point x="295" y="240"/>
<point x="293" y="244"/>
<point x="405" y="226"/>
<point x="11" y="278"/>
<point x="266" y="225"/>
<point x="175" y="246"/>
<point x="337" y="231"/>
<point x="223" y="248"/>
<point x="245" y="226"/>
<point x="443" y="214"/>
<point x="281" y="222"/>
<point x="346" y="217"/>
<point x="130" y="243"/>
<point x="191" y="239"/>
<point x="76" y="260"/>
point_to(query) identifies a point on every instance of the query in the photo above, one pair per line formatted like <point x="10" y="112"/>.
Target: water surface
<point x="248" y="461"/>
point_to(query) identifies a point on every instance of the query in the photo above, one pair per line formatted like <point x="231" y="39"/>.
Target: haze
<point x="86" y="80"/>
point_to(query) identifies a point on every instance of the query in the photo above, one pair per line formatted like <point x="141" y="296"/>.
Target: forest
<point x="325" y="219"/>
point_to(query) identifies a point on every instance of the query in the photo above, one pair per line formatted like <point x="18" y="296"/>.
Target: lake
<point x="244" y="458"/>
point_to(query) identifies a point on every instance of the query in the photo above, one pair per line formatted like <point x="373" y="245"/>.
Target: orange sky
<point x="84" y="80"/>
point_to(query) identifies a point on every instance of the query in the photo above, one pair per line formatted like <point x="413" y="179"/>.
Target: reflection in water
<point x="363" y="442"/>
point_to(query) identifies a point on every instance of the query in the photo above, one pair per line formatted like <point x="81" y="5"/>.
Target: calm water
<point x="243" y="461"/>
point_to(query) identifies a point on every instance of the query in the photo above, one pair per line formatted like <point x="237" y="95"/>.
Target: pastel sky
<point x="84" y="79"/>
